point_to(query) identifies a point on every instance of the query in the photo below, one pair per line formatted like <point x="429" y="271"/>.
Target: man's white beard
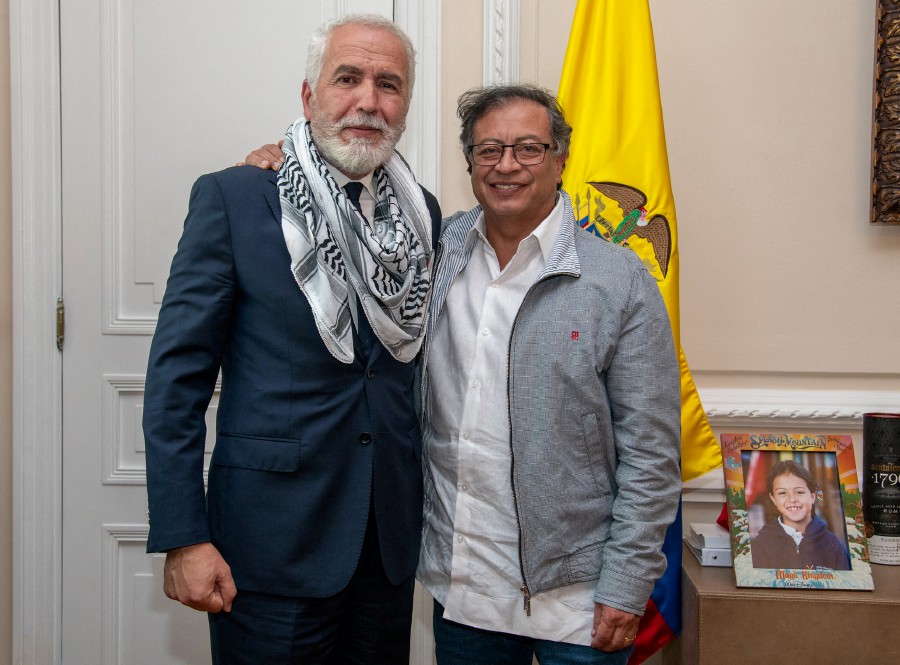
<point x="356" y="155"/>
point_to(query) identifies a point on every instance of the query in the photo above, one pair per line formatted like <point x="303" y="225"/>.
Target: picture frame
<point x="809" y="483"/>
<point x="885" y="168"/>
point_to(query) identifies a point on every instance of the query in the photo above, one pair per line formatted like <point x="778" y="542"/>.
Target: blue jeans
<point x="456" y="644"/>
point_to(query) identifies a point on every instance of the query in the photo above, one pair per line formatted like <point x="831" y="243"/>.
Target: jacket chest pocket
<point x="262" y="454"/>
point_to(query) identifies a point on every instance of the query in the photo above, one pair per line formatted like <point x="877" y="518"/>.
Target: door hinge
<point x="60" y="323"/>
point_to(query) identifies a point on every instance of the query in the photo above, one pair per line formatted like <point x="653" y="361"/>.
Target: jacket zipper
<point x="526" y="592"/>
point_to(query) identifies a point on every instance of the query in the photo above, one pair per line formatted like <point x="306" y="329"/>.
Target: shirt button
<point x="370" y="373"/>
<point x="485" y="332"/>
<point x="495" y="285"/>
<point x="475" y="383"/>
<point x="459" y="539"/>
<point x="365" y="438"/>
<point x="466" y="436"/>
<point x="464" y="487"/>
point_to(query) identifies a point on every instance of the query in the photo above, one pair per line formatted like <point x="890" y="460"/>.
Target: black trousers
<point x="367" y="623"/>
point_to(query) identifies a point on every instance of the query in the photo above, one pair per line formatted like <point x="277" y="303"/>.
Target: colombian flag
<point x="617" y="175"/>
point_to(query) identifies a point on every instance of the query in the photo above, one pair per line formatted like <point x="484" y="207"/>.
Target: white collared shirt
<point x="795" y="535"/>
<point x="366" y="196"/>
<point x="468" y="439"/>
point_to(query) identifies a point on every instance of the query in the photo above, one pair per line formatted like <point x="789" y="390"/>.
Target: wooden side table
<point x="723" y="623"/>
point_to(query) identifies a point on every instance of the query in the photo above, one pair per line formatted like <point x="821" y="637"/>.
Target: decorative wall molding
<point x="730" y="409"/>
<point x="37" y="365"/>
<point x="114" y="536"/>
<point x="124" y="460"/>
<point x="420" y="146"/>
<point x="501" y="41"/>
<point x="789" y="409"/>
<point x="120" y="392"/>
<point x="117" y="183"/>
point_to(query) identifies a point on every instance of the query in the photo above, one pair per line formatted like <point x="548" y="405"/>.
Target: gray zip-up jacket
<point x="595" y="413"/>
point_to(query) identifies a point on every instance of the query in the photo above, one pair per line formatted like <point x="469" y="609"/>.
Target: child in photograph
<point x="797" y="538"/>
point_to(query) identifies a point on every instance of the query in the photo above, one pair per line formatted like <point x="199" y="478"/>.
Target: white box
<point x="710" y="556"/>
<point x="709" y="535"/>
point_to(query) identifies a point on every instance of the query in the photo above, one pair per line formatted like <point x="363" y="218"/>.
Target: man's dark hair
<point x="473" y="104"/>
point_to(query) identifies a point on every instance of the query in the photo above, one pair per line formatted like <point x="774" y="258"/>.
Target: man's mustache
<point x="366" y="120"/>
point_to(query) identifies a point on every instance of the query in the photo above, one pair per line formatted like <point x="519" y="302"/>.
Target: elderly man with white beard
<point x="307" y="289"/>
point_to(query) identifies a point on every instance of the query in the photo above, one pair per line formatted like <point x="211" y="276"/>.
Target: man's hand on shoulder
<point x="197" y="576"/>
<point x="269" y="156"/>
<point x="613" y="629"/>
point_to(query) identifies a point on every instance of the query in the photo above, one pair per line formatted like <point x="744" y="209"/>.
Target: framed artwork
<point x="886" y="116"/>
<point x="795" y="511"/>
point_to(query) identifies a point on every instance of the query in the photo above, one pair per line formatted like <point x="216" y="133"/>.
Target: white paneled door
<point x="153" y="94"/>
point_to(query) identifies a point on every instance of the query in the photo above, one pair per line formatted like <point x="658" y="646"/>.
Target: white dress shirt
<point x="366" y="196"/>
<point x="468" y="438"/>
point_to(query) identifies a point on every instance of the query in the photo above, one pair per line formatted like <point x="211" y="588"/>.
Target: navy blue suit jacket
<point x="301" y="438"/>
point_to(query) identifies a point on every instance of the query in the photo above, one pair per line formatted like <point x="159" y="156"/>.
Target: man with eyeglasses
<point x="551" y="411"/>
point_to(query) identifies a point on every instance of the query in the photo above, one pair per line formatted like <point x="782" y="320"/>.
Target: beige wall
<point x="768" y="117"/>
<point x="784" y="283"/>
<point x="461" y="68"/>
<point x="5" y="350"/>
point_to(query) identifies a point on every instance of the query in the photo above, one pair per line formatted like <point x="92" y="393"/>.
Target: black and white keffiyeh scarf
<point x="333" y="248"/>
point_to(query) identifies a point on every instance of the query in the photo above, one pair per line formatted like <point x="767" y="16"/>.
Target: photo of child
<point x="794" y="511"/>
<point x="787" y="533"/>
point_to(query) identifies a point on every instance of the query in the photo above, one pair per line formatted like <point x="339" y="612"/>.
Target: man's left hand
<point x="613" y="629"/>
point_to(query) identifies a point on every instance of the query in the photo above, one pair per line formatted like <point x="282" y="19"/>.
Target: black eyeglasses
<point x="489" y="154"/>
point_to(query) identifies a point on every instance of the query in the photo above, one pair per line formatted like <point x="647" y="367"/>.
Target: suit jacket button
<point x="365" y="438"/>
<point x="370" y="373"/>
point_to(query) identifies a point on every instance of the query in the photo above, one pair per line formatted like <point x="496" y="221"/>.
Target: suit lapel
<point x="272" y="197"/>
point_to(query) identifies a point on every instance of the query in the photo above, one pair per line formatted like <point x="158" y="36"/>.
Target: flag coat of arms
<point x="617" y="176"/>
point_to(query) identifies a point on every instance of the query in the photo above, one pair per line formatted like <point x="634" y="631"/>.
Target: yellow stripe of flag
<point x="618" y="171"/>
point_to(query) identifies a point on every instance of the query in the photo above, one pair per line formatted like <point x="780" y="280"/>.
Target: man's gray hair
<point x="473" y="104"/>
<point x="315" y="54"/>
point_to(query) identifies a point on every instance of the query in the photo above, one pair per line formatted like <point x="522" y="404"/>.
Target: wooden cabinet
<point x="726" y="624"/>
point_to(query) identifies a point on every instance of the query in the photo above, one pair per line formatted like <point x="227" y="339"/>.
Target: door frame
<point x="37" y="284"/>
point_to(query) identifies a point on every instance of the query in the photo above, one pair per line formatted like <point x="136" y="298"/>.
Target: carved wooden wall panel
<point x="886" y="116"/>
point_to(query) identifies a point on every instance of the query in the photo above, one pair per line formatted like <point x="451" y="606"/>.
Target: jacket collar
<point x="272" y="195"/>
<point x="562" y="260"/>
